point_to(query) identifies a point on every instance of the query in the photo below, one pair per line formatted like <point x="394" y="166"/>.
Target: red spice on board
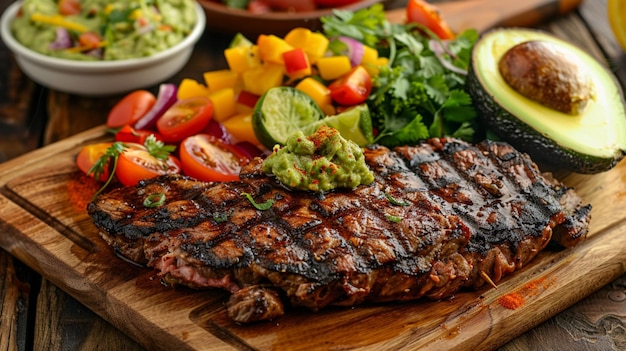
<point x="511" y="301"/>
<point x="517" y="299"/>
<point x="80" y="190"/>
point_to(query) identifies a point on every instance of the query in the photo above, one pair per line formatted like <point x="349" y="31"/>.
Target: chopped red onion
<point x="355" y="49"/>
<point x="165" y="98"/>
<point x="62" y="40"/>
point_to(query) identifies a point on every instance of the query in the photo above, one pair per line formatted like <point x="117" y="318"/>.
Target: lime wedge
<point x="354" y="124"/>
<point x="281" y="112"/>
<point x="240" y="40"/>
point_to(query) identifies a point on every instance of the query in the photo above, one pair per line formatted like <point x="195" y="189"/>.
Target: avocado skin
<point x="526" y="139"/>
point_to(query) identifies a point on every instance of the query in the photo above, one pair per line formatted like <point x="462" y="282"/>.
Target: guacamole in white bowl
<point x="103" y="29"/>
<point x="110" y="64"/>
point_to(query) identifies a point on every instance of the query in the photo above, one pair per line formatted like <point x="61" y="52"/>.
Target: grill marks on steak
<point x="470" y="209"/>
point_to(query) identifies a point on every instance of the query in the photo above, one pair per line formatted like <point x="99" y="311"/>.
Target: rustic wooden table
<point x="37" y="315"/>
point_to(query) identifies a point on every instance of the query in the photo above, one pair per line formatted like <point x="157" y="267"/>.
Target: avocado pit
<point x="542" y="72"/>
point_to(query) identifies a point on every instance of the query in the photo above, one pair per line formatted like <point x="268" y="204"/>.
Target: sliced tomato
<point x="69" y="7"/>
<point x="185" y="118"/>
<point x="352" y="88"/>
<point x="89" y="40"/>
<point x="419" y="11"/>
<point x="334" y="3"/>
<point x="136" y="164"/>
<point x="131" y="135"/>
<point x="89" y="155"/>
<point x="130" y="108"/>
<point x="208" y="158"/>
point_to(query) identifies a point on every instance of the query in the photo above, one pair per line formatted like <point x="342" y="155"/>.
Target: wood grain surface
<point x="26" y="110"/>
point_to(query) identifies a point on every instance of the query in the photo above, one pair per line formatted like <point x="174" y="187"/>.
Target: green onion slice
<point x="262" y="207"/>
<point x="154" y="200"/>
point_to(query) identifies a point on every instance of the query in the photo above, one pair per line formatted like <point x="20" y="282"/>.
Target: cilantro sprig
<point x="421" y="92"/>
<point x="109" y="159"/>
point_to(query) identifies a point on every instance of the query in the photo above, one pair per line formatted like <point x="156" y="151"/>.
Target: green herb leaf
<point x="157" y="148"/>
<point x="421" y="93"/>
<point x="220" y="217"/>
<point x="394" y="201"/>
<point x="154" y="200"/>
<point x="262" y="207"/>
<point x="108" y="159"/>
<point x="392" y="218"/>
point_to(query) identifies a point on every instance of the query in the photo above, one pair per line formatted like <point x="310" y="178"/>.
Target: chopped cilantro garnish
<point x="259" y="206"/>
<point x="421" y="93"/>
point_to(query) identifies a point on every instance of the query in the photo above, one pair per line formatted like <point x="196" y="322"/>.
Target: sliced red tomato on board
<point x="185" y="118"/>
<point x="208" y="158"/>
<point x="89" y="155"/>
<point x="136" y="164"/>
<point x="352" y="88"/>
<point x="69" y="7"/>
<point x="129" y="134"/>
<point x="130" y="108"/>
<point x="334" y="3"/>
<point x="419" y="11"/>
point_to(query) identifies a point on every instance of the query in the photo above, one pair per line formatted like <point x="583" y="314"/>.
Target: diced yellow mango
<point x="240" y="128"/>
<point x="314" y="44"/>
<point x="224" y="104"/>
<point x="319" y="93"/>
<point x="333" y="67"/>
<point x="242" y="58"/>
<point x="189" y="88"/>
<point x="220" y="79"/>
<point x="260" y="79"/>
<point x="271" y="48"/>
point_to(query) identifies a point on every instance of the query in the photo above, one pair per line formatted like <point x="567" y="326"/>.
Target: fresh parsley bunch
<point x="421" y="93"/>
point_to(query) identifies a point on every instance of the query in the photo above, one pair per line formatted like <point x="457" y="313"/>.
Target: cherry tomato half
<point x="136" y="164"/>
<point x="208" y="158"/>
<point x="185" y="118"/>
<point x="353" y="88"/>
<point x="130" y="108"/>
<point x="89" y="155"/>
<point x="69" y="7"/>
<point x="129" y="134"/>
<point x="419" y="11"/>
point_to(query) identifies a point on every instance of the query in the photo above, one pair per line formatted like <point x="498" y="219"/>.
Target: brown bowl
<point x="230" y="20"/>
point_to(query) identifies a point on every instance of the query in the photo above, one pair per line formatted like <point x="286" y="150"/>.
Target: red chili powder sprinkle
<point x="517" y="299"/>
<point x="80" y="190"/>
<point x="511" y="301"/>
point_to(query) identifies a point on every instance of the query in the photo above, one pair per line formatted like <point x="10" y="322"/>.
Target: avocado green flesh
<point x="596" y="138"/>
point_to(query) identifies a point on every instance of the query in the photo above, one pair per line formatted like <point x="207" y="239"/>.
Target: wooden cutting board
<point x="45" y="228"/>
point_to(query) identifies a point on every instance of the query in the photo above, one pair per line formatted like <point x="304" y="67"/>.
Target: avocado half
<point x="590" y="142"/>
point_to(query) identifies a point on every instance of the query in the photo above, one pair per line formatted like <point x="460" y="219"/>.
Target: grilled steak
<point x="439" y="217"/>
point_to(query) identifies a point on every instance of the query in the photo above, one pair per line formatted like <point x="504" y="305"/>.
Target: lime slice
<point x="354" y="124"/>
<point x="282" y="111"/>
<point x="240" y="40"/>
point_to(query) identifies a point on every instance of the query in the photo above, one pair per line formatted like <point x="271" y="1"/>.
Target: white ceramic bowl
<point x="100" y="78"/>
